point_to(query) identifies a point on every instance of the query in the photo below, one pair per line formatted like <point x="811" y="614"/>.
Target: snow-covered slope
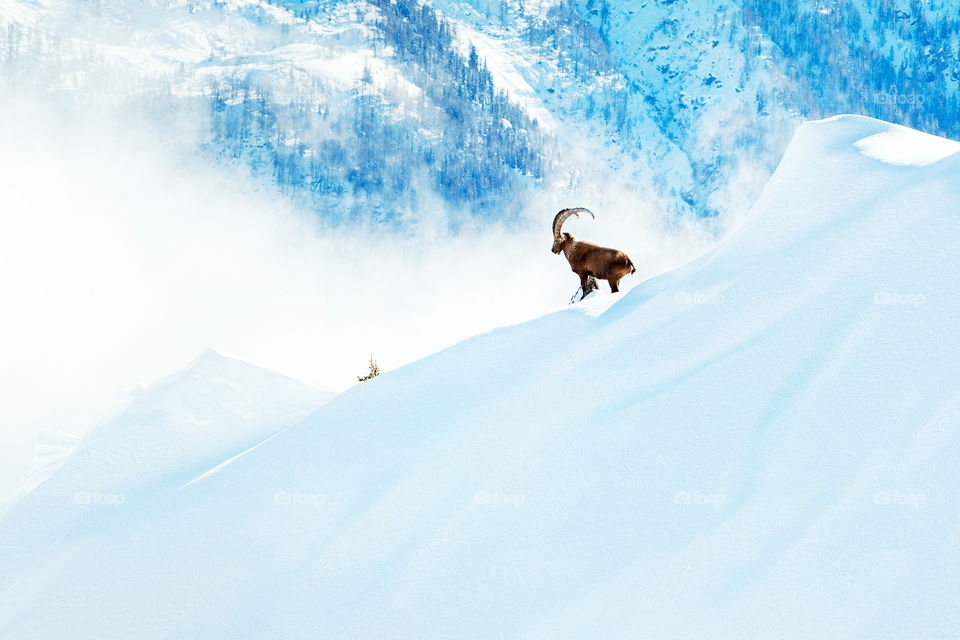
<point x="491" y="107"/>
<point x="763" y="443"/>
<point x="177" y="427"/>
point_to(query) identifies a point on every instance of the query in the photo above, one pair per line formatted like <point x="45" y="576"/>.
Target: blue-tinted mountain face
<point x="376" y="111"/>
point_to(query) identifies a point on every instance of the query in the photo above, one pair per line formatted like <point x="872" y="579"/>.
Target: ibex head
<point x="560" y="239"/>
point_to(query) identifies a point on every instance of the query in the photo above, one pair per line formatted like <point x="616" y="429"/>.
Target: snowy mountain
<point x="403" y="113"/>
<point x="762" y="443"/>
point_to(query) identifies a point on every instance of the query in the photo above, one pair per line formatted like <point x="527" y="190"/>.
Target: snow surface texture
<point x="760" y="444"/>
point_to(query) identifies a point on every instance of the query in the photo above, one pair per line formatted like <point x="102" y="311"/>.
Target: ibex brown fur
<point x="588" y="259"/>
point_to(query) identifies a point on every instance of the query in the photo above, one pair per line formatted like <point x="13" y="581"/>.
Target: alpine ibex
<point x="588" y="259"/>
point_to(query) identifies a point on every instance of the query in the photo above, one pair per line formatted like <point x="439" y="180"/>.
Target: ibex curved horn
<point x="566" y="213"/>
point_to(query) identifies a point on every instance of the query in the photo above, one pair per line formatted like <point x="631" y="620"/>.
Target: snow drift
<point x="763" y="443"/>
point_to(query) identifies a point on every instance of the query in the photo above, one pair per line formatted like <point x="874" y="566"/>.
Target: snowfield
<point x="764" y="443"/>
